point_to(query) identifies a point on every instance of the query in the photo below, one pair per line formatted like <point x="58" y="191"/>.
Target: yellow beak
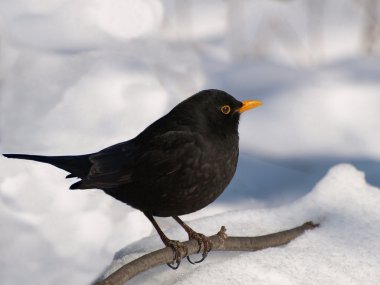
<point x="249" y="104"/>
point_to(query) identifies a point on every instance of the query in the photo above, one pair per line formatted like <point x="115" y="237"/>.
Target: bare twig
<point x="220" y="242"/>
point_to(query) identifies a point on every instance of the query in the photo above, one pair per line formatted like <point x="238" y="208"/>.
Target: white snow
<point x="343" y="250"/>
<point x="80" y="75"/>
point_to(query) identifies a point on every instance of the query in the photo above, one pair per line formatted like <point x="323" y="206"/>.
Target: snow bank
<point x="75" y="74"/>
<point x="37" y="210"/>
<point x="343" y="250"/>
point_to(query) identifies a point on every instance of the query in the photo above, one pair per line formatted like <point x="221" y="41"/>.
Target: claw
<point x="177" y="248"/>
<point x="198" y="261"/>
<point x="202" y="241"/>
<point x="175" y="267"/>
<point x="200" y="238"/>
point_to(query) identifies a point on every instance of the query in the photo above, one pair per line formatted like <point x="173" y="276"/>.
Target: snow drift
<point x="343" y="250"/>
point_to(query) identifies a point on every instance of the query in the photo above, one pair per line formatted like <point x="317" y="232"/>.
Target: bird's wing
<point x="166" y="154"/>
<point x="129" y="163"/>
<point x="107" y="167"/>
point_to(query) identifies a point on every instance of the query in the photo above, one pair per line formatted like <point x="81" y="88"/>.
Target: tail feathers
<point x="77" y="165"/>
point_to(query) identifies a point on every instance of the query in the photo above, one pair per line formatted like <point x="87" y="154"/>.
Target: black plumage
<point x="177" y="165"/>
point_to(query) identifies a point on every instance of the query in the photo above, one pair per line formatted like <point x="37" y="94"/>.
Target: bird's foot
<point x="203" y="242"/>
<point x="179" y="250"/>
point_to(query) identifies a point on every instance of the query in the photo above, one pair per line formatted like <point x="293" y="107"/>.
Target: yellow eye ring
<point x="225" y="109"/>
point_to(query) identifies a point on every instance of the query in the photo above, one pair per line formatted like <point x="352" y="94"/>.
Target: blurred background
<point x="79" y="75"/>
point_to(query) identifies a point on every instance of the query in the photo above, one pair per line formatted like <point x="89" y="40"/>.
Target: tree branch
<point x="220" y="242"/>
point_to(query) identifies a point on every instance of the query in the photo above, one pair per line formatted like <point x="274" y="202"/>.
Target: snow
<point x="343" y="250"/>
<point x="80" y="75"/>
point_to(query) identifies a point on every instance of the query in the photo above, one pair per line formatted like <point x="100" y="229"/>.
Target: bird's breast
<point x="200" y="179"/>
<point x="187" y="178"/>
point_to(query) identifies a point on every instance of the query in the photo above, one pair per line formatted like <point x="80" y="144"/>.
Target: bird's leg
<point x="178" y="248"/>
<point x="200" y="238"/>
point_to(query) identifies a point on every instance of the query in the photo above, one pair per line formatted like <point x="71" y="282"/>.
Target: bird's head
<point x="214" y="110"/>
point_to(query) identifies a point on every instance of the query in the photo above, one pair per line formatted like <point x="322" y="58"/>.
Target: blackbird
<point x="179" y="164"/>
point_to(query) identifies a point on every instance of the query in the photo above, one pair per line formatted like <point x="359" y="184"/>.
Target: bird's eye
<point x="225" y="109"/>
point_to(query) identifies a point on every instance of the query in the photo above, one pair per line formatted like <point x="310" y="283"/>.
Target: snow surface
<point x="79" y="75"/>
<point x="343" y="250"/>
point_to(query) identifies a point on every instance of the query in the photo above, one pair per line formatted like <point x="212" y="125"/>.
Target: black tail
<point x="77" y="165"/>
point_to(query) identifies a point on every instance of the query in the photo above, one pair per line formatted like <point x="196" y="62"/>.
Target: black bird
<point x="177" y="165"/>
